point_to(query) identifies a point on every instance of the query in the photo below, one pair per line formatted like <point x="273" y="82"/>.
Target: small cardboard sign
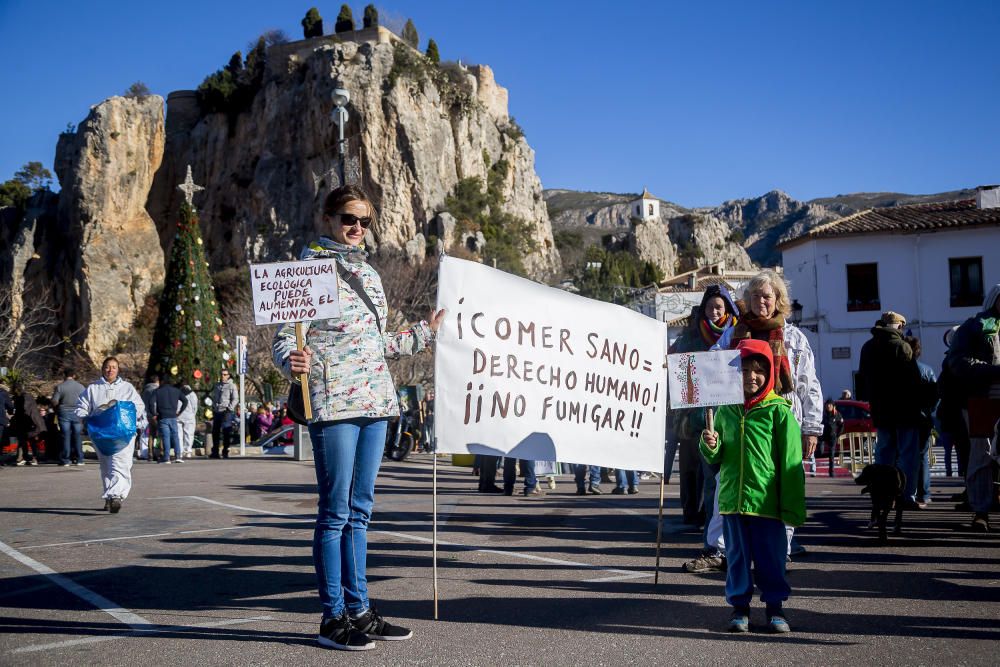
<point x="703" y="379"/>
<point x="294" y="291"/>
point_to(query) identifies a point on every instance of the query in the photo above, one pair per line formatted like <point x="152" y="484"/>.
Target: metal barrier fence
<point x="859" y="450"/>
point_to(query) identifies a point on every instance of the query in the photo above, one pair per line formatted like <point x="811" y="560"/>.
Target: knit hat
<point x="889" y="318"/>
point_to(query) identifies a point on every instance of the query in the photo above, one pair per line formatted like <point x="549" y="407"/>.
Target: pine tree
<point x="432" y="52"/>
<point x="371" y="16"/>
<point x="312" y="24"/>
<point x="410" y="35"/>
<point x="188" y="344"/>
<point x="345" y="20"/>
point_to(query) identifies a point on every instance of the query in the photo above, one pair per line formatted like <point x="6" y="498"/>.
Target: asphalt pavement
<point x="209" y="563"/>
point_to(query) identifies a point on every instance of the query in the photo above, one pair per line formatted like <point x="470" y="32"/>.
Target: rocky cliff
<point x="415" y="130"/>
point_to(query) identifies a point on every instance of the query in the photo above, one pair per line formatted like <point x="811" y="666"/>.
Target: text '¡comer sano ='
<point x="616" y="375"/>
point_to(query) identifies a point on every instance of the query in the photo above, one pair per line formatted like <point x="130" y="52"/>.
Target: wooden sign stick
<point x="659" y="531"/>
<point x="304" y="377"/>
<point x="709" y="420"/>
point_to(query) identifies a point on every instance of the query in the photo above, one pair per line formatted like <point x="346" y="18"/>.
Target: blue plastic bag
<point x="112" y="426"/>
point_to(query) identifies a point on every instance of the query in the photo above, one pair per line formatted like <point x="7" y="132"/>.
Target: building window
<point x="966" y="274"/>
<point x="862" y="287"/>
<point x="651" y="209"/>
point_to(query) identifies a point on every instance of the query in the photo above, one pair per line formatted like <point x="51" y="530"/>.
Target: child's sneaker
<point x="739" y="620"/>
<point x="712" y="561"/>
<point x="340" y="633"/>
<point x="776" y="621"/>
<point x="372" y="624"/>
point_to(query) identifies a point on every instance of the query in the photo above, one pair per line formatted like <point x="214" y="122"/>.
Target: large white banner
<point x="537" y="373"/>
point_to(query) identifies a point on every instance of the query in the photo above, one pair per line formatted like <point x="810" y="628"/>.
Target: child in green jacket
<point x="761" y="487"/>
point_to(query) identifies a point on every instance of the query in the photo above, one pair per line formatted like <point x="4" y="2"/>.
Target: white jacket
<point x="103" y="391"/>
<point x="190" y="414"/>
<point x="807" y="399"/>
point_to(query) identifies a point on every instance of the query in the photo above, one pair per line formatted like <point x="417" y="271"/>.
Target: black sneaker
<point x="107" y="504"/>
<point x="618" y="491"/>
<point x="115" y="505"/>
<point x="372" y="624"/>
<point x="340" y="633"/>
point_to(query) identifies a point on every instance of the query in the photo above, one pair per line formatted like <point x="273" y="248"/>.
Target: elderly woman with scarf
<point x="762" y="317"/>
<point x="715" y="315"/>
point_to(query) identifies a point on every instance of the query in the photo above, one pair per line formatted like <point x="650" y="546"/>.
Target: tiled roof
<point x="682" y="284"/>
<point x="909" y="219"/>
<point x="646" y="195"/>
<point x="679" y="322"/>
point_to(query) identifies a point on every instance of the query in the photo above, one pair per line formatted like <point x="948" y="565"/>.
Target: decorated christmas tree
<point x="188" y="344"/>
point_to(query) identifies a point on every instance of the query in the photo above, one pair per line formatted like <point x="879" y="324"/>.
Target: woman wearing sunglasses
<point x="353" y="397"/>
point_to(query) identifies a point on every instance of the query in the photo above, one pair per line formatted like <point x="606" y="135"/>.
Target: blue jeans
<point x="924" y="475"/>
<point x="585" y="475"/>
<point x="622" y="475"/>
<point x="899" y="447"/>
<point x="762" y="543"/>
<point x="72" y="434"/>
<point x="510" y="474"/>
<point x="170" y="436"/>
<point x="347" y="455"/>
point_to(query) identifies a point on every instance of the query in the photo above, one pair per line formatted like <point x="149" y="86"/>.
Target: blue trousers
<point x="760" y="542"/>
<point x="900" y="447"/>
<point x="510" y="474"/>
<point x="72" y="434"/>
<point x="347" y="455"/>
<point x="170" y="437"/>
<point x="584" y="475"/>
<point x="622" y="475"/>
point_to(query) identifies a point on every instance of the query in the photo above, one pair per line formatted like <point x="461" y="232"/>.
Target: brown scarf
<point x="773" y="331"/>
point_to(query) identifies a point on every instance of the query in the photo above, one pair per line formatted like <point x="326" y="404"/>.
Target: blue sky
<point x="699" y="102"/>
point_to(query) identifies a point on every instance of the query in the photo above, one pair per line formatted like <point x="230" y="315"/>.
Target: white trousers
<point x="116" y="472"/>
<point x="187" y="436"/>
<point x="715" y="526"/>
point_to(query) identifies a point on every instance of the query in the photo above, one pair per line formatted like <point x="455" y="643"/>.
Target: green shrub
<point x="312" y="24"/>
<point x="410" y="35"/>
<point x="432" y="52"/>
<point x="138" y="90"/>
<point x="345" y="20"/>
<point x="371" y="16"/>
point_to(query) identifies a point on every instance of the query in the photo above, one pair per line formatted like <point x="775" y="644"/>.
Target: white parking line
<point x="216" y="502"/>
<point x="107" y="606"/>
<point x="157" y="629"/>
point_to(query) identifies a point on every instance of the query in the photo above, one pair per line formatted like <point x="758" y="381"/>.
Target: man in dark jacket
<point x="224" y="400"/>
<point x="168" y="402"/>
<point x="974" y="358"/>
<point x="148" y="435"/>
<point x="28" y="426"/>
<point x="891" y="384"/>
<point x="64" y="400"/>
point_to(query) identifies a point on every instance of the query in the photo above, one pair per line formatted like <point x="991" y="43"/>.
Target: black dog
<point x="885" y="485"/>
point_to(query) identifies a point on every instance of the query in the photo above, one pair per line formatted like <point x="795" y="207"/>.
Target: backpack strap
<point x="354" y="283"/>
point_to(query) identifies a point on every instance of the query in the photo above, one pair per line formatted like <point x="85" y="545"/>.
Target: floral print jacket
<point x="349" y="377"/>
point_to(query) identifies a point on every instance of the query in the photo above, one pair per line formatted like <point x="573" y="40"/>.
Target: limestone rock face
<point x="106" y="169"/>
<point x="650" y="241"/>
<point x="414" y="131"/>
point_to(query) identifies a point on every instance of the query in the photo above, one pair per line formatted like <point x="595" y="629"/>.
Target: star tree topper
<point x="189" y="188"/>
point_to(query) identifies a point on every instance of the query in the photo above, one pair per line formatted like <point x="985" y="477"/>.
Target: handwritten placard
<point x="294" y="291"/>
<point x="537" y="373"/>
<point x="702" y="379"/>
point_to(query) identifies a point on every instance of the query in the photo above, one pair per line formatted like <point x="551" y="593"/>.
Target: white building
<point x="933" y="263"/>
<point x="646" y="207"/>
<point x="676" y="296"/>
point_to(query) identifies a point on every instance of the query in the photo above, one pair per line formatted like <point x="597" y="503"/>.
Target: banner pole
<point x="434" y="541"/>
<point x="659" y="532"/>
<point x="304" y="377"/>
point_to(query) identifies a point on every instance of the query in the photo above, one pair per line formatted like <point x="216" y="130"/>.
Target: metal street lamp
<point x="341" y="98"/>
<point x="796" y="312"/>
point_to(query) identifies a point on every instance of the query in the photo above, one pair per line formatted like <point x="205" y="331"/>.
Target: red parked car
<point x="857" y="416"/>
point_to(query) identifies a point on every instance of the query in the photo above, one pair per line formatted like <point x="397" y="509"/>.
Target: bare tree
<point x="28" y="335"/>
<point x="411" y="293"/>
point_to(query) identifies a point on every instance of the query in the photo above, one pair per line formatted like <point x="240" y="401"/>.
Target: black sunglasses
<point x="348" y="220"/>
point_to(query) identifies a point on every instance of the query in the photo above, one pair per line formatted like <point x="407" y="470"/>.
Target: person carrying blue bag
<point x="113" y="410"/>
